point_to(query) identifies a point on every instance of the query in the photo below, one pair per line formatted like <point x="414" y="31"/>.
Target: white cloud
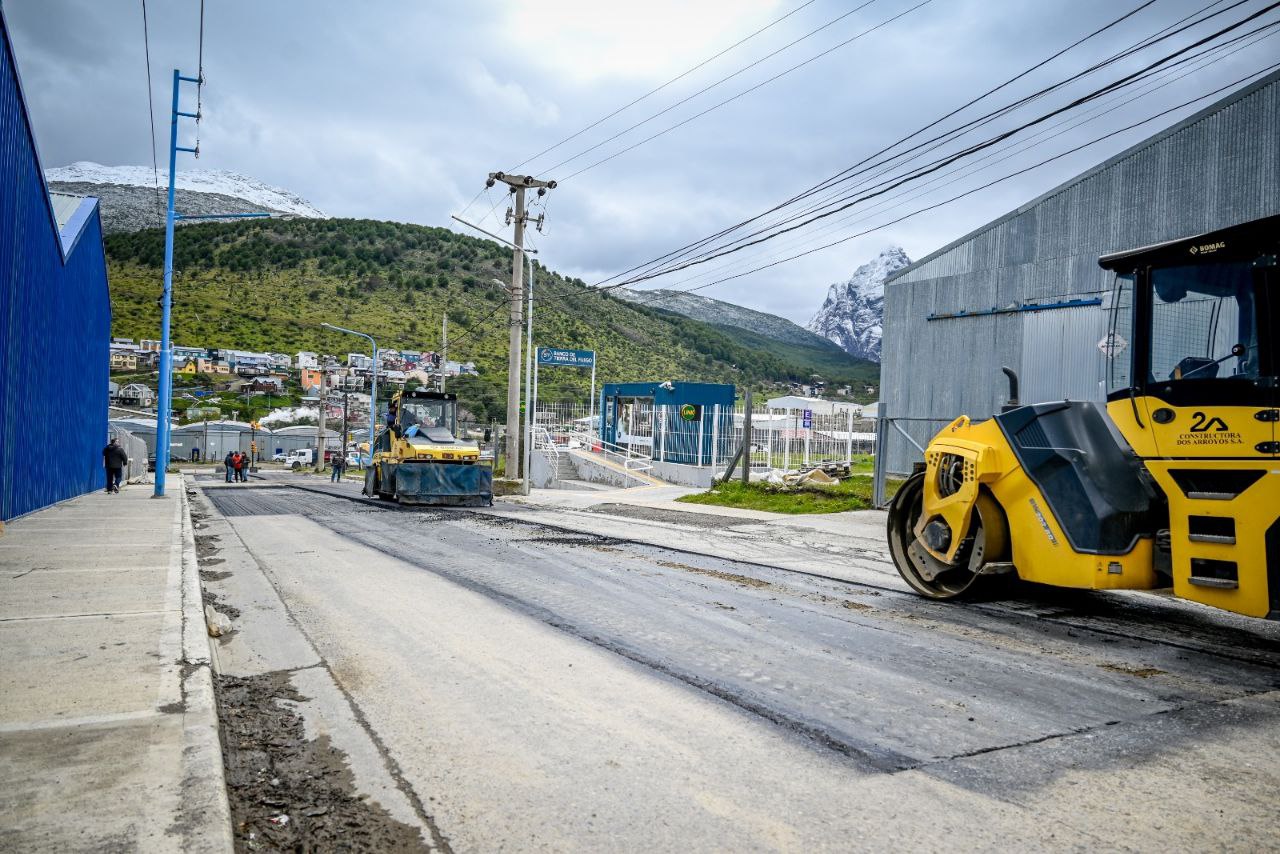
<point x="508" y="97"/>
<point x="399" y="110"/>
<point x="585" y="41"/>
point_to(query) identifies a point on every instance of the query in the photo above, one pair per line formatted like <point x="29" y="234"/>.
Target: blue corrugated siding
<point x="55" y="325"/>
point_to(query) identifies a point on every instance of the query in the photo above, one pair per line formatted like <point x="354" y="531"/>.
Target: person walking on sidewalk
<point x="339" y="462"/>
<point x="230" y="464"/>
<point x="114" y="459"/>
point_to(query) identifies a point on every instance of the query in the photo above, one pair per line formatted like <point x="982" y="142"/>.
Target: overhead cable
<point x="658" y="89"/>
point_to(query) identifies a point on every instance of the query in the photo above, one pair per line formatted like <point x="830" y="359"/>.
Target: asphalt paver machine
<point x="418" y="458"/>
<point x="1175" y="481"/>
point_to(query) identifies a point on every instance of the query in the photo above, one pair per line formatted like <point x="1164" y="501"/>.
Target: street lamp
<point x="373" y="385"/>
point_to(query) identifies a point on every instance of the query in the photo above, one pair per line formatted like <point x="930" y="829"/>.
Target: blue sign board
<point x="566" y="358"/>
<point x="808" y="419"/>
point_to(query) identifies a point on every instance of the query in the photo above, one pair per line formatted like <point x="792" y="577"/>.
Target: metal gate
<point x="1060" y="355"/>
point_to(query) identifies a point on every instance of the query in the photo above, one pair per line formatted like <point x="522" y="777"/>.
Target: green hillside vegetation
<point x="826" y="359"/>
<point x="268" y="285"/>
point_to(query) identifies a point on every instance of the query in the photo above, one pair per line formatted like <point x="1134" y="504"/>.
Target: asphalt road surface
<point x="530" y="688"/>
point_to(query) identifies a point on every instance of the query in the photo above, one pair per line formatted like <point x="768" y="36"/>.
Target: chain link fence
<point x="901" y="443"/>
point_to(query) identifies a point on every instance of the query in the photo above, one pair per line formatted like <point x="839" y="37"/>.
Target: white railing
<point x="780" y="439"/>
<point x="543" y="441"/>
<point x="633" y="462"/>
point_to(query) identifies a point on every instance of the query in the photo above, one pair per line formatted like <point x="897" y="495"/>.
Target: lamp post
<point x="373" y="383"/>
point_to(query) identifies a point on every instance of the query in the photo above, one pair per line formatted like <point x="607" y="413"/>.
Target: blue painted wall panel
<point x="55" y="326"/>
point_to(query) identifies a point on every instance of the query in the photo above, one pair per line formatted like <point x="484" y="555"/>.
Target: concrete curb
<point x="206" y="813"/>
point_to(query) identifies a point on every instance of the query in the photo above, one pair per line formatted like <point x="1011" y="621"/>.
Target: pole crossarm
<point x="525" y="181"/>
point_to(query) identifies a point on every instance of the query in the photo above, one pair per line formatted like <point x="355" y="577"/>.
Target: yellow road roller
<point x="418" y="458"/>
<point x="1175" y="481"/>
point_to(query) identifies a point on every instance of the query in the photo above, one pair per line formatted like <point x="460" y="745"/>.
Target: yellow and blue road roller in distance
<point x="1174" y="482"/>
<point x="419" y="459"/>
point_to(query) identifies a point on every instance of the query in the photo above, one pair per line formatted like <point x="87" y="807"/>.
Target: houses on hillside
<point x="267" y="373"/>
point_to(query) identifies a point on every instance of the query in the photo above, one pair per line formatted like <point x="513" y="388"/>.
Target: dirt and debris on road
<point x="289" y="793"/>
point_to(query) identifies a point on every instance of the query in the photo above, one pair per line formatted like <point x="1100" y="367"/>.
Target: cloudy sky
<point x="398" y="110"/>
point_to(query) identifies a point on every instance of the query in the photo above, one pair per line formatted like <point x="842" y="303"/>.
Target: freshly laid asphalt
<point x="532" y="687"/>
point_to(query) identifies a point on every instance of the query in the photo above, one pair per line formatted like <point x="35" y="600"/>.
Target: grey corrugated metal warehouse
<point x="1026" y="290"/>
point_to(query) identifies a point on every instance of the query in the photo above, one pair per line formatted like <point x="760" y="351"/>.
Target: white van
<point x="301" y="457"/>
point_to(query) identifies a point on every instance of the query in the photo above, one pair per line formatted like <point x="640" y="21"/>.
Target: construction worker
<point x="339" y="462"/>
<point x="114" y="459"/>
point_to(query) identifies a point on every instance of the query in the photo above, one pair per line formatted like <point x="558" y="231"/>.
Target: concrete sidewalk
<point x="108" y="730"/>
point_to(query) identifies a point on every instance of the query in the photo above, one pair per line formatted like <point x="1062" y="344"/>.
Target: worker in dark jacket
<point x="230" y="464"/>
<point x="114" y="459"/>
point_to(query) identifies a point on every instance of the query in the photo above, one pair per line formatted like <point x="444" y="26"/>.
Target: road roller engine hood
<point x="436" y="443"/>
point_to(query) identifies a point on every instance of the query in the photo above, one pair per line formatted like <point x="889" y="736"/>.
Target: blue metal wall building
<point x="1026" y="290"/>
<point x="649" y="412"/>
<point x="55" y="323"/>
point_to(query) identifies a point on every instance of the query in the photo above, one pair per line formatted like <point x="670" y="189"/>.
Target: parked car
<point x="279" y="457"/>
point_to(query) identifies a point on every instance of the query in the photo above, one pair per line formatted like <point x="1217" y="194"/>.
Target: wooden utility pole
<point x="518" y="185"/>
<point x="444" y="347"/>
<point x="320" y="423"/>
<point x="746" y="439"/>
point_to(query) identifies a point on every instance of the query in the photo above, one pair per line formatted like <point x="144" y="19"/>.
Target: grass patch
<point x="851" y="494"/>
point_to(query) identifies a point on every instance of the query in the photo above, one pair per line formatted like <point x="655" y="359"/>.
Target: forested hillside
<point x="268" y="285"/>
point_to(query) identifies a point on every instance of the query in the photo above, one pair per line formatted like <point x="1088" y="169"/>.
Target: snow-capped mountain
<point x="723" y="313"/>
<point x="853" y="315"/>
<point x="129" y="198"/>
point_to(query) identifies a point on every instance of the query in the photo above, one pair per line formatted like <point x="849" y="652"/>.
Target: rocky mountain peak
<point x="852" y="315"/>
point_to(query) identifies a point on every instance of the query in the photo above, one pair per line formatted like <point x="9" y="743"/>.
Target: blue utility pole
<point x="164" y="405"/>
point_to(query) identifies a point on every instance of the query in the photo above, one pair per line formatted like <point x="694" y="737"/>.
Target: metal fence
<point x="136" y="448"/>
<point x="901" y="443"/>
<point x="781" y="439"/>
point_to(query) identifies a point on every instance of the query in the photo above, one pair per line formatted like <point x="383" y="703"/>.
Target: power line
<point x="747" y="91"/>
<point x="1024" y="146"/>
<point x="200" y="80"/>
<point x="985" y="186"/>
<point x="711" y="86"/>
<point x="851" y="199"/>
<point x="151" y="111"/>
<point x="844" y="175"/>
<point x="658" y="89"/>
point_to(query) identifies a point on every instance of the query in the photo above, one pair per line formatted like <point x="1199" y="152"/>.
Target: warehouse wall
<point x="1218" y="168"/>
<point x="55" y="325"/>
